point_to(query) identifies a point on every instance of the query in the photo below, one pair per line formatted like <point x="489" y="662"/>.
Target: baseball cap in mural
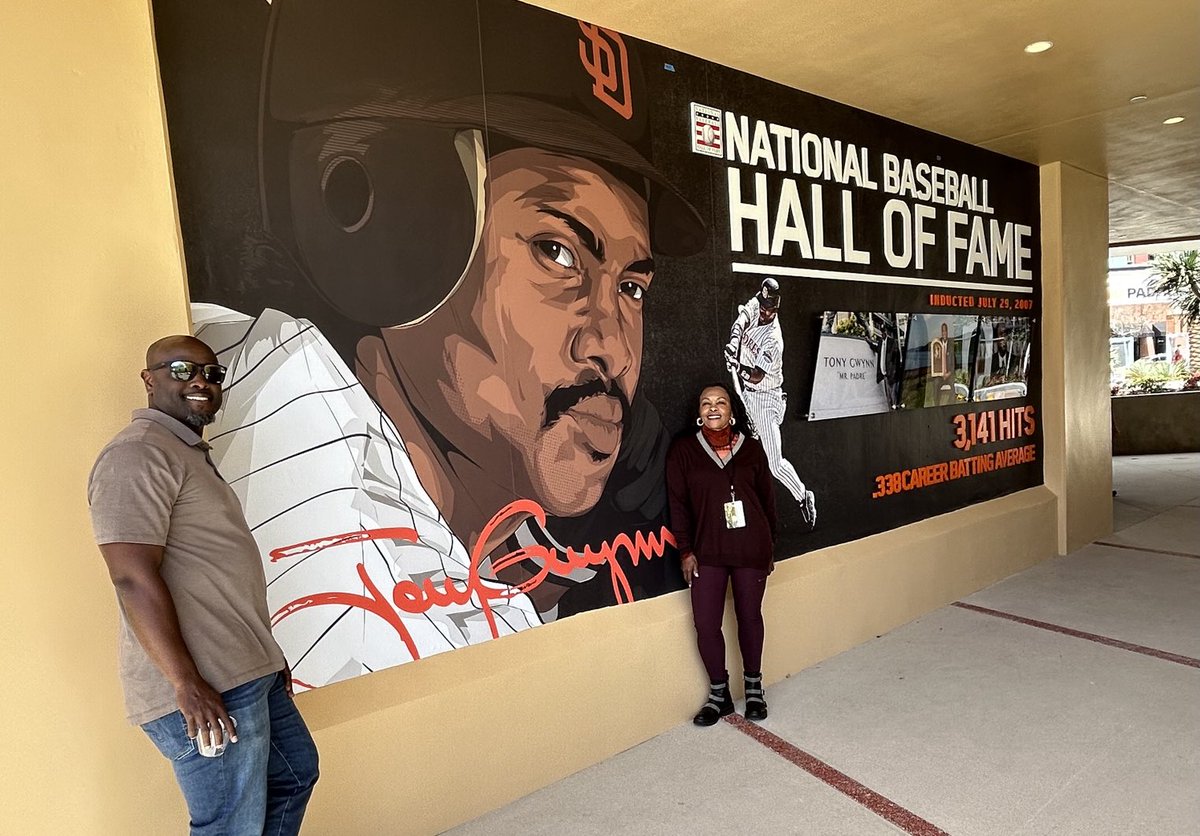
<point x="552" y="82"/>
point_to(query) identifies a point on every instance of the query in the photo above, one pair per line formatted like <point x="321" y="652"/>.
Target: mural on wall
<point x="469" y="264"/>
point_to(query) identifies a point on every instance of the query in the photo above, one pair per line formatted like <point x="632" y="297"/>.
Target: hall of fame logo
<point x="706" y="131"/>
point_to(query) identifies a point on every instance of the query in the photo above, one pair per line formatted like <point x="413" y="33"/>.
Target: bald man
<point x="201" y="671"/>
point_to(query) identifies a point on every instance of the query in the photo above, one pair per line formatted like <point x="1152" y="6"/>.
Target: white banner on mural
<point x="847" y="380"/>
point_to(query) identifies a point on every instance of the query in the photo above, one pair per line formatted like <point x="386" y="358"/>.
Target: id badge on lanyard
<point x="735" y="515"/>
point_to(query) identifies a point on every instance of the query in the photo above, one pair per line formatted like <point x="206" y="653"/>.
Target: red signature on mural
<point x="418" y="598"/>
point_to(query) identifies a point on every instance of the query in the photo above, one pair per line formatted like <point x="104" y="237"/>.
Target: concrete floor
<point x="1063" y="700"/>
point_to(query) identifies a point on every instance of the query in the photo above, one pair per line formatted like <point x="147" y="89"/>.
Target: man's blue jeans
<point x="263" y="782"/>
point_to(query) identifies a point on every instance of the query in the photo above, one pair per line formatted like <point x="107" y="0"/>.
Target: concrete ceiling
<point x="958" y="68"/>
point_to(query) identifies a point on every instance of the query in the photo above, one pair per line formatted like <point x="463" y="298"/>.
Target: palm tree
<point x="1177" y="275"/>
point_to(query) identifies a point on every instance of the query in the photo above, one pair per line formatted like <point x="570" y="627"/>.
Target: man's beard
<point x="198" y="421"/>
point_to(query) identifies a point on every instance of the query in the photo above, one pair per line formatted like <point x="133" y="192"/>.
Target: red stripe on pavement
<point x="1079" y="634"/>
<point x="1144" y="549"/>
<point x="906" y="820"/>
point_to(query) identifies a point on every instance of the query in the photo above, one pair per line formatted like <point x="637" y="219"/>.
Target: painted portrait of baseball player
<point x="754" y="357"/>
<point x="421" y="455"/>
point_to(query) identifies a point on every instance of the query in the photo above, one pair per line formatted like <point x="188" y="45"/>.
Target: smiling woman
<point x="723" y="519"/>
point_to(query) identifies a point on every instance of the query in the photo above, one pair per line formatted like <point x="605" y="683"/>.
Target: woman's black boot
<point x="718" y="705"/>
<point x="756" y="703"/>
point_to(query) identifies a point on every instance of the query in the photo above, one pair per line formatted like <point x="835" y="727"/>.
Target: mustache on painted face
<point x="564" y="397"/>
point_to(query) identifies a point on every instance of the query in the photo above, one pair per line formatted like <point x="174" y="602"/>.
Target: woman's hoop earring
<point x="732" y="420"/>
<point x="699" y="422"/>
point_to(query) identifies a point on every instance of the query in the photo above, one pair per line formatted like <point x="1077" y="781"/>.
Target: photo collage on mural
<point x="470" y="262"/>
<point x="872" y="361"/>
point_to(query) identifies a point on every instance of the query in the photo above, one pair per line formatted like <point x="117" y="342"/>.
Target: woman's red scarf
<point x="718" y="439"/>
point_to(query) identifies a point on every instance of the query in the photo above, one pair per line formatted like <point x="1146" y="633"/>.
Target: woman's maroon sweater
<point x="698" y="486"/>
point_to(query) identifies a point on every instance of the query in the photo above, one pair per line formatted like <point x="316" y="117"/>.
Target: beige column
<point x="1075" y="393"/>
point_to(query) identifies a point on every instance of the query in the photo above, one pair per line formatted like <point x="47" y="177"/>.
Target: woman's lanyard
<point x="735" y="514"/>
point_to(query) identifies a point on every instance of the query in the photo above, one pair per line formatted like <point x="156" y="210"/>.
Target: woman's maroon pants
<point x="708" y="610"/>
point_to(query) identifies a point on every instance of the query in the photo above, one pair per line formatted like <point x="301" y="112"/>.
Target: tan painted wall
<point x="1076" y="402"/>
<point x="90" y="272"/>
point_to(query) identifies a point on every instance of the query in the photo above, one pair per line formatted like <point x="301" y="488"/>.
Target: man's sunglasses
<point x="185" y="370"/>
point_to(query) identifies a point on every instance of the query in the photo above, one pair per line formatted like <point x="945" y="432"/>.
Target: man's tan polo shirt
<point x="154" y="483"/>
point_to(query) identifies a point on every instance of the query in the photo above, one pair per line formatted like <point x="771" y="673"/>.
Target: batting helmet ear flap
<point x="385" y="214"/>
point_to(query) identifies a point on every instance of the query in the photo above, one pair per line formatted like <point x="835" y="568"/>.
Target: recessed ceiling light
<point x="1139" y="99"/>
<point x="1038" y="46"/>
<point x="1172" y="120"/>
